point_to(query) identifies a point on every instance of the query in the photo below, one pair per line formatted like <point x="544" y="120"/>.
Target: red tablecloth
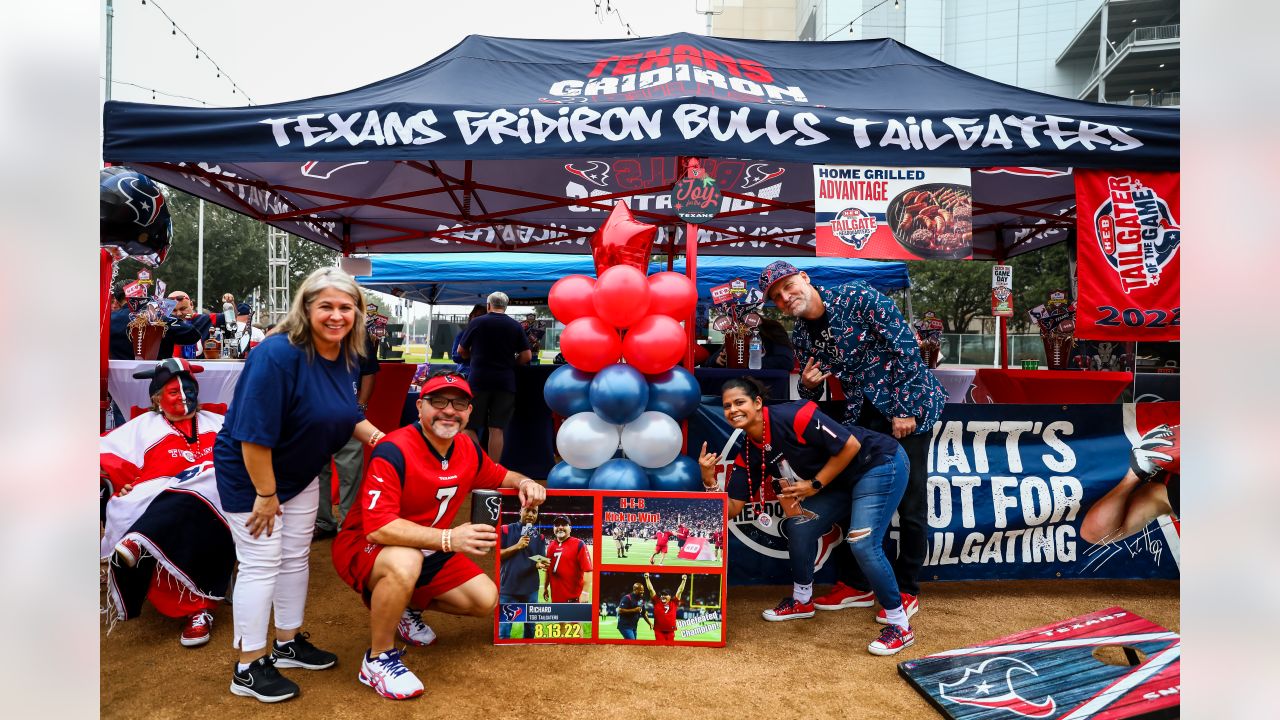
<point x="1048" y="387"/>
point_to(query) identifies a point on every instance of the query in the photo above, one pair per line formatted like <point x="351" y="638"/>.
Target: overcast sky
<point x="277" y="50"/>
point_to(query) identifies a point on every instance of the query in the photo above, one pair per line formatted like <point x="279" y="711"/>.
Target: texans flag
<point x="1052" y="672"/>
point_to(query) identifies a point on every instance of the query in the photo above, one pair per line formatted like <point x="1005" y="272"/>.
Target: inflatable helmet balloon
<point x="133" y="215"/>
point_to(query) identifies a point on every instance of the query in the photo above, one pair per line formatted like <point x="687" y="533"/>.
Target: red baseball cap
<point x="441" y="382"/>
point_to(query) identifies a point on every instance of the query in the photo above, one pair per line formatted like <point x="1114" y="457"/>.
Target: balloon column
<point x="623" y="387"/>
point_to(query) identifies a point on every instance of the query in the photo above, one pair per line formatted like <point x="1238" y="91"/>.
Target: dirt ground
<point x="815" y="668"/>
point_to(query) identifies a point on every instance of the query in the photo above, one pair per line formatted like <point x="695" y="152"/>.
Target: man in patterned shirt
<point x="856" y="336"/>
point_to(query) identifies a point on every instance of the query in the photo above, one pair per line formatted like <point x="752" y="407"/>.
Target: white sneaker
<point x="388" y="676"/>
<point x="413" y="630"/>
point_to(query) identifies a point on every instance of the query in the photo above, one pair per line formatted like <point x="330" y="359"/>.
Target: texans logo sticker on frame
<point x="1106" y="665"/>
<point x="1128" y="241"/>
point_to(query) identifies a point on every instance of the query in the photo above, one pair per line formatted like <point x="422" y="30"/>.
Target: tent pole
<point x="691" y="269"/>
<point x="1001" y="324"/>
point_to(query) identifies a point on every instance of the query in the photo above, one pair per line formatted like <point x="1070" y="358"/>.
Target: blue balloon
<point x="681" y="475"/>
<point x="619" y="474"/>
<point x="566" y="391"/>
<point x="674" y="392"/>
<point x="618" y="394"/>
<point x="567" y="477"/>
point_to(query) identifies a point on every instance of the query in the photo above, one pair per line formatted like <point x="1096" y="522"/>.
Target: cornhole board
<point x="1053" y="672"/>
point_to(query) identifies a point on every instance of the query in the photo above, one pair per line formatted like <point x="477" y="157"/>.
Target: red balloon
<point x="622" y="240"/>
<point x="672" y="294"/>
<point x="654" y="345"/>
<point x="570" y="298"/>
<point x="622" y="296"/>
<point x="590" y="345"/>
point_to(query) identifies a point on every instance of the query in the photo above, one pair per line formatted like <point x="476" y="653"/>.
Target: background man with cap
<point x="856" y="335"/>
<point x="185" y="335"/>
<point x="168" y="541"/>
<point x="398" y="547"/>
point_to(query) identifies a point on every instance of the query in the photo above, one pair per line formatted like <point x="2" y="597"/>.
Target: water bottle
<point x="756" y="352"/>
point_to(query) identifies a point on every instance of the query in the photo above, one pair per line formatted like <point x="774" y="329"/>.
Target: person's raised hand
<point x="812" y="375"/>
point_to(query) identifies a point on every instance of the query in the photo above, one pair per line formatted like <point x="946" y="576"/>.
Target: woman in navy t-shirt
<point x="294" y="407"/>
<point x="840" y="475"/>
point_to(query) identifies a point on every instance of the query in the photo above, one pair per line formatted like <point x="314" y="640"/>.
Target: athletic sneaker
<point x="893" y="638"/>
<point x="413" y="630"/>
<point x="302" y="654"/>
<point x="129" y="552"/>
<point x="388" y="676"/>
<point x="842" y="596"/>
<point x="199" y="628"/>
<point x="262" y="681"/>
<point x="789" y="609"/>
<point x="910" y="603"/>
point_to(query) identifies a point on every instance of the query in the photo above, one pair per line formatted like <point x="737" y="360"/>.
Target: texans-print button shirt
<point x="869" y="348"/>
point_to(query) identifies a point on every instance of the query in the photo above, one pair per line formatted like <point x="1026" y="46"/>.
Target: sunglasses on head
<point x="440" y="403"/>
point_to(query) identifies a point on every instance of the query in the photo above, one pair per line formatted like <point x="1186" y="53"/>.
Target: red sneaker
<point x="910" y="603"/>
<point x="893" y="638"/>
<point x="842" y="596"/>
<point x="789" y="609"/>
<point x="199" y="628"/>
<point x="129" y="552"/>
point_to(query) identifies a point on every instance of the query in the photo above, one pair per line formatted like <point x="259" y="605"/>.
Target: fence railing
<point x="1160" y="99"/>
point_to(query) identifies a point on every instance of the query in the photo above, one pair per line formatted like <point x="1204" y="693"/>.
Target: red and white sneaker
<point x="842" y="596"/>
<point x="789" y="609"/>
<point x="910" y="603"/>
<point x="198" y="629"/>
<point x="388" y="676"/>
<point x="129" y="552"/>
<point x="413" y="630"/>
<point x="893" y="638"/>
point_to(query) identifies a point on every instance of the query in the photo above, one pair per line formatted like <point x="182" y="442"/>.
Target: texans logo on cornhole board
<point x="1055" y="672"/>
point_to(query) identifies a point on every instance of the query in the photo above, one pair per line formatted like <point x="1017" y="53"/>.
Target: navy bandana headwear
<point x="774" y="272"/>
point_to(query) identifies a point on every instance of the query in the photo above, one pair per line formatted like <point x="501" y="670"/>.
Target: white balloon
<point x="652" y="440"/>
<point x="586" y="441"/>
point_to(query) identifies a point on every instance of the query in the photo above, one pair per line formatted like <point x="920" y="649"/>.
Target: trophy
<point x="1057" y="322"/>
<point x="145" y="329"/>
<point x="790" y="506"/>
<point x="737" y="322"/>
<point x="929" y="337"/>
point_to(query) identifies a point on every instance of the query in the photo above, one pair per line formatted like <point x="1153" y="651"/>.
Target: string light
<point x="154" y="91"/>
<point x="175" y="30"/>
<point x="608" y="9"/>
<point x="849" y="24"/>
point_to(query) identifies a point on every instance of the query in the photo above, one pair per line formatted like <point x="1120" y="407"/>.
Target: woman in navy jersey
<point x="848" y="476"/>
<point x="294" y="407"/>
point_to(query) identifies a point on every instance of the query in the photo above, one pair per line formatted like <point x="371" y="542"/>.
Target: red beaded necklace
<point x="757" y="491"/>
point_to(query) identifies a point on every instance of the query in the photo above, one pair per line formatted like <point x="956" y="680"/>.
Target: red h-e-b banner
<point x="1128" y="238"/>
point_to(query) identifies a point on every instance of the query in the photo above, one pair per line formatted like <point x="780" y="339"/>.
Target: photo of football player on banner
<point x="592" y="567"/>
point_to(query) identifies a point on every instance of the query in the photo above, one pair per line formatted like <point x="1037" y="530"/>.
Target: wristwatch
<point x="817" y="484"/>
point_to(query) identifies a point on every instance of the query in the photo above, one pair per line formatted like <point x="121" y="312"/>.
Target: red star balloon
<point x="622" y="240"/>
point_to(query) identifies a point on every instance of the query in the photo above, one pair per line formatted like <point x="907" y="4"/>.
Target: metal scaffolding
<point x="278" y="297"/>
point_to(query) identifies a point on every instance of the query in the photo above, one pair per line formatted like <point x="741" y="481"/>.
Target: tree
<point x="235" y="252"/>
<point x="959" y="291"/>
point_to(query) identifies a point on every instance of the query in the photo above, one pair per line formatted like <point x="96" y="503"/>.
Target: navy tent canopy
<point x="468" y="278"/>
<point x="506" y="144"/>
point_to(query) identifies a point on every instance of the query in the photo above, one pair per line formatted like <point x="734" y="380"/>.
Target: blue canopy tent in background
<point x="467" y="278"/>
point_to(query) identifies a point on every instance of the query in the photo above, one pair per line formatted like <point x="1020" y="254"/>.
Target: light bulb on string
<point x="174" y="31"/>
<point x="896" y="5"/>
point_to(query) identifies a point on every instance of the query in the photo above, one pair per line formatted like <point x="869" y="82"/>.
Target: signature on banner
<point x="1144" y="542"/>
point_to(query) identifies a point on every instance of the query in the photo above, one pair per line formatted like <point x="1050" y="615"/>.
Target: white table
<point x="217" y="382"/>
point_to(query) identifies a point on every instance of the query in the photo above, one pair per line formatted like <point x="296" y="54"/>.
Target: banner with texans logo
<point x="1014" y="492"/>
<point x="893" y="213"/>
<point x="1128" y="237"/>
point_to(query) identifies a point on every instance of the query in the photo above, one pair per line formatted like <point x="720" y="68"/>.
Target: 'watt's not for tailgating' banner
<point x="1128" y="241"/>
<point x="1010" y="490"/>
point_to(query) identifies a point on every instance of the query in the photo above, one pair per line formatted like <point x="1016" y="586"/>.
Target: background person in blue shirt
<point x="493" y="344"/>
<point x="630" y="610"/>
<point x="518" y="581"/>
<point x="293" y="408"/>
<point x="848" y="476"/>
<point x="855" y="335"/>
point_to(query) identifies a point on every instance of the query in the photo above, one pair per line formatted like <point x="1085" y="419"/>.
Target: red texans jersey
<point x="661" y="538"/>
<point x="682" y="532"/>
<point x="148" y="447"/>
<point x="406" y="480"/>
<point x="570" y="562"/>
<point x="664" y="615"/>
